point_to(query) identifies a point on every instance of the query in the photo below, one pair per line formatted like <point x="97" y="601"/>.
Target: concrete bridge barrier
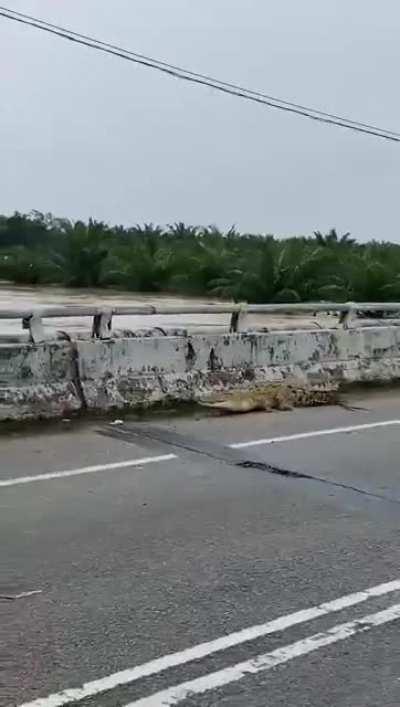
<point x="53" y="379"/>
<point x="38" y="381"/>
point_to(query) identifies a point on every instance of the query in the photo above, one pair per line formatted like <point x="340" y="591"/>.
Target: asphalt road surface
<point x="239" y="561"/>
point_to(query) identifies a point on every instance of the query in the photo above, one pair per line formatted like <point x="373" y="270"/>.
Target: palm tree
<point x="274" y="273"/>
<point x="143" y="266"/>
<point x="82" y="254"/>
<point x="181" y="230"/>
<point x="333" y="239"/>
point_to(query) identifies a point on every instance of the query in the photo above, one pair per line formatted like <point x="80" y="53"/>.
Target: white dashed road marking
<point x="86" y="470"/>
<point x="19" y="480"/>
<point x="202" y="650"/>
<point x="316" y="433"/>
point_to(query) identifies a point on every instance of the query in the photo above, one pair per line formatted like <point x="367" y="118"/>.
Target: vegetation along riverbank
<point x="40" y="249"/>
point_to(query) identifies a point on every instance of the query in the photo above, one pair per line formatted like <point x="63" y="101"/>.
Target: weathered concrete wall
<point x="56" y="379"/>
<point x="125" y="372"/>
<point x="38" y="381"/>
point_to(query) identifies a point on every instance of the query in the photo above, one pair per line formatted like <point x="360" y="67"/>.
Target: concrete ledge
<point x="122" y="373"/>
<point x="57" y="379"/>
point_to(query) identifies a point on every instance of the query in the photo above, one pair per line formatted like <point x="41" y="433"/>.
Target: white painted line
<point x="86" y="470"/>
<point x="315" y="433"/>
<point x="262" y="663"/>
<point x="124" y="677"/>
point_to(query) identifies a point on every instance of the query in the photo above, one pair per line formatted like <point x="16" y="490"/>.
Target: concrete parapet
<point x="55" y="379"/>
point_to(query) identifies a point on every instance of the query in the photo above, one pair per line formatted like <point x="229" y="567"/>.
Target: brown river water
<point x="19" y="297"/>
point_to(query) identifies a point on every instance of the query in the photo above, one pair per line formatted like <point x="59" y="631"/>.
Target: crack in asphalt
<point x="133" y="432"/>
<point x="311" y="477"/>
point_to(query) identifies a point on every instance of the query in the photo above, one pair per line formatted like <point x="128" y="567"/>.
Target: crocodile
<point x="274" y="396"/>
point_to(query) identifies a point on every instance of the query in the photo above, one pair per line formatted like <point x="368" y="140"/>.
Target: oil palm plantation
<point x="37" y="248"/>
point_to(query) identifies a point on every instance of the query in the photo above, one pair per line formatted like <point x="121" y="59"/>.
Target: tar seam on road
<point x="229" y="455"/>
<point x="203" y="650"/>
<point x="302" y="475"/>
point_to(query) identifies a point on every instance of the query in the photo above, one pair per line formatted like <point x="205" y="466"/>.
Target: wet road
<point x="185" y="561"/>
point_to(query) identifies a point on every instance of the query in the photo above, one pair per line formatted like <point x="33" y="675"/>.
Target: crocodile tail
<point x="234" y="406"/>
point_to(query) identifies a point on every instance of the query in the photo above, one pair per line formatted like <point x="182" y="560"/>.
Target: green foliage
<point x="26" y="267"/>
<point x="37" y="249"/>
<point x="81" y="253"/>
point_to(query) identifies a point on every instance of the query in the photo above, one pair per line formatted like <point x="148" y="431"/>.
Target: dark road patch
<point x="135" y="432"/>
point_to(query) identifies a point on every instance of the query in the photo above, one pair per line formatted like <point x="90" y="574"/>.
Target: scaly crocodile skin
<point x="275" y="396"/>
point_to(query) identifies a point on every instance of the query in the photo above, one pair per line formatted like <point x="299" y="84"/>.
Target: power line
<point x="202" y="79"/>
<point x="198" y="75"/>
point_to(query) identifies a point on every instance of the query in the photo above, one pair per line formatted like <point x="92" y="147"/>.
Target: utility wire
<point x="197" y="75"/>
<point x="196" y="78"/>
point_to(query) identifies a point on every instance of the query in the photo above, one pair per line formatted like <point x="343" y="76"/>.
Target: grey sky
<point x="83" y="134"/>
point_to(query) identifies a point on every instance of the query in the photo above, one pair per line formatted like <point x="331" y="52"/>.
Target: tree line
<point x="39" y="249"/>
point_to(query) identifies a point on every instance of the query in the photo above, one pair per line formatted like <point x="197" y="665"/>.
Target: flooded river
<point x="27" y="298"/>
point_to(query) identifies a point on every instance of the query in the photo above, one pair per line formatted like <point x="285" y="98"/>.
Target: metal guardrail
<point x="102" y="316"/>
<point x="146" y="309"/>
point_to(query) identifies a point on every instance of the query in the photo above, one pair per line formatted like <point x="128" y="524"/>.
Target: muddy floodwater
<point x="27" y="298"/>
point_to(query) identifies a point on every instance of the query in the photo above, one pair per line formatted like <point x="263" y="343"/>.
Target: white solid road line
<point x="125" y="677"/>
<point x="315" y="433"/>
<point x="220" y="678"/>
<point x="86" y="470"/>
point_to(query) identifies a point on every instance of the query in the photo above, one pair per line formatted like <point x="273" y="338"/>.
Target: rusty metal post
<point x="238" y="319"/>
<point x="102" y="325"/>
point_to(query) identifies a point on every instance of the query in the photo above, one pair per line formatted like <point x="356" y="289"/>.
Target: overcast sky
<point x="84" y="134"/>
